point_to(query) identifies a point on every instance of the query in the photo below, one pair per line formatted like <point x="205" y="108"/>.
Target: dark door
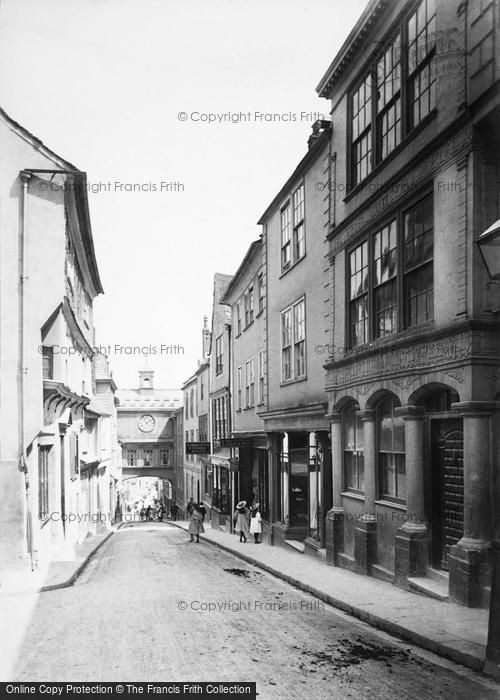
<point x="447" y="488"/>
<point x="299" y="467"/>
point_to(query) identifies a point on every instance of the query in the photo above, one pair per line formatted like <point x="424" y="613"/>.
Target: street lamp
<point x="489" y="246"/>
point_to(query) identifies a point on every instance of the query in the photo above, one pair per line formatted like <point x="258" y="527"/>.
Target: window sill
<point x="354" y="495"/>
<point x="399" y="505"/>
<point x="389" y="342"/>
<point x="292" y="266"/>
<point x="381" y="165"/>
<point x="293" y="381"/>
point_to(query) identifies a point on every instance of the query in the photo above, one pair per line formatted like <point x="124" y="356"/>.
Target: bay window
<point x="382" y="108"/>
<point x="391" y="276"/>
<point x="421" y="61"/>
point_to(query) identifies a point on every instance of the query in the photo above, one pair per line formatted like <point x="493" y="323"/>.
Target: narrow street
<point x="152" y="606"/>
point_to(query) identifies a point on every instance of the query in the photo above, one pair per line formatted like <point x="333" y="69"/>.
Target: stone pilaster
<point x="365" y="532"/>
<point x="334" y="522"/>
<point x="469" y="558"/>
<point x="411" y="542"/>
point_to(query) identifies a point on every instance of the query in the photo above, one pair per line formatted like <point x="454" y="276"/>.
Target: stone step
<point x="438" y="575"/>
<point x="321" y="553"/>
<point x="299" y="546"/>
<point x="429" y="587"/>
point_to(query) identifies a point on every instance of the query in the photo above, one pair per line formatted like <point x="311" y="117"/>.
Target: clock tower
<point x="146" y="387"/>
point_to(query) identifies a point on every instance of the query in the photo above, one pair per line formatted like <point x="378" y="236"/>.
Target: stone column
<point x="334" y="525"/>
<point x="492" y="664"/>
<point x="365" y="532"/>
<point x="411" y="543"/>
<point x="274" y="476"/>
<point x="469" y="558"/>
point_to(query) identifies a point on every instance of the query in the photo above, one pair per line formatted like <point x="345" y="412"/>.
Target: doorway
<point x="447" y="488"/>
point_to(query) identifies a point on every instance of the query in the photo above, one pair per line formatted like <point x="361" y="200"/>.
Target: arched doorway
<point x="445" y="476"/>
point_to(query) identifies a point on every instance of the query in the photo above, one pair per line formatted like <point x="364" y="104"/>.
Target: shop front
<point x="300" y="490"/>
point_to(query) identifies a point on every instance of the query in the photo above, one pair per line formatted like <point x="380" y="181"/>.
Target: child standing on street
<point x="241" y="524"/>
<point x="256" y="523"/>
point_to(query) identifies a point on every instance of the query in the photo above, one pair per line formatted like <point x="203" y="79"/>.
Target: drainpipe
<point x="230" y="416"/>
<point x="25" y="178"/>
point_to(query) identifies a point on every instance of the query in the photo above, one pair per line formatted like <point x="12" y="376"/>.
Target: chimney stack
<point x="205" y="347"/>
<point x="317" y="128"/>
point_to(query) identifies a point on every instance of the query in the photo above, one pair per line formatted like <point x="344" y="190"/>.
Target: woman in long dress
<point x="195" y="524"/>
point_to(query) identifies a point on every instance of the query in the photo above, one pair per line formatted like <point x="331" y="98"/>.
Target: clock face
<point x="146" y="423"/>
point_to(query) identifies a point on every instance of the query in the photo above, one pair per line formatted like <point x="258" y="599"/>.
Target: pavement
<point x="452" y="631"/>
<point x="54" y="574"/>
<point x="444" y="628"/>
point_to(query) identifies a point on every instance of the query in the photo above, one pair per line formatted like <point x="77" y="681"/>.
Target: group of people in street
<point x="245" y="520"/>
<point x="149" y="512"/>
<point x="248" y="520"/>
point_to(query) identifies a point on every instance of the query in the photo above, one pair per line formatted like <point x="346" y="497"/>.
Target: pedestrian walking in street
<point x="195" y="524"/>
<point x="174" y="509"/>
<point x="189" y="507"/>
<point x="256" y="522"/>
<point x="202" y="510"/>
<point x="241" y="524"/>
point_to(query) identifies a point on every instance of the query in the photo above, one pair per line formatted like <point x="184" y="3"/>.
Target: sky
<point x="170" y="108"/>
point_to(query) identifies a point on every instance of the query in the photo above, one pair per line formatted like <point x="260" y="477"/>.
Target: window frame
<point x="370" y="71"/>
<point x="381" y="496"/>
<point x="44" y="482"/>
<point x="238" y="319"/>
<point x="293" y="246"/>
<point x="290" y="309"/>
<point x="398" y="216"/>
<point x="219" y="355"/>
<point x="238" y="388"/>
<point x="47" y="362"/>
<point x="355" y="452"/>
<point x="261" y="377"/>
<point x="260" y="287"/>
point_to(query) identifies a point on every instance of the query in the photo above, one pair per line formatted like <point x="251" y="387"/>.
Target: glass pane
<point x="400" y="477"/>
<point x="349" y="471"/>
<point x="349" y="426"/>
<point x="361" y="471"/>
<point x="399" y="434"/>
<point x="387" y="475"/>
